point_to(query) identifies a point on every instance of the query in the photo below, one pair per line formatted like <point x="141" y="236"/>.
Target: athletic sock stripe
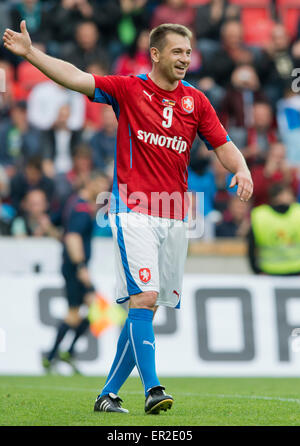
<point x="119" y="363"/>
<point x="135" y="355"/>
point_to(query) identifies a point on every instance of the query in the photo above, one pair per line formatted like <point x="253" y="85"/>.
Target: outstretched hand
<point x="245" y="185"/>
<point x="18" y="43"/>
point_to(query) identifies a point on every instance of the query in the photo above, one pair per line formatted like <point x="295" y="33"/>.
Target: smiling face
<point x="174" y="58"/>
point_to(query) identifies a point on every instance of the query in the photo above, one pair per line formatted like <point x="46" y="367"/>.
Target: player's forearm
<point x="74" y="246"/>
<point x="60" y="71"/>
<point x="231" y="158"/>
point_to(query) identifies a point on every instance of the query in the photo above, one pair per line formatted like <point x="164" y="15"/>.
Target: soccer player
<point x="78" y="222"/>
<point x="158" y="115"/>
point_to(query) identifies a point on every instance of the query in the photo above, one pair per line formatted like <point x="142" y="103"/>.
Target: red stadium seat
<point x="252" y="15"/>
<point x="289" y="13"/>
<point x="260" y="34"/>
<point x="256" y="20"/>
<point x="251" y="3"/>
<point x="281" y="3"/>
<point x="196" y="2"/>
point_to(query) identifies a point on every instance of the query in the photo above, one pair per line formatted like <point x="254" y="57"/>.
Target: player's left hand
<point x="245" y="185"/>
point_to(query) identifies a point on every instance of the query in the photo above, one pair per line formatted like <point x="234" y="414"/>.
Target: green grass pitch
<point x="68" y="401"/>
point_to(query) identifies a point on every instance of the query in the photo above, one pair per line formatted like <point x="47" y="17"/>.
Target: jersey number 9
<point x="168" y="115"/>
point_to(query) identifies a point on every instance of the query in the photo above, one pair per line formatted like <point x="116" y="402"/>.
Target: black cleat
<point x="109" y="403"/>
<point x="157" y="400"/>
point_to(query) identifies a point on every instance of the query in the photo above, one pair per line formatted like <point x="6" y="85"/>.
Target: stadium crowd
<point x="52" y="138"/>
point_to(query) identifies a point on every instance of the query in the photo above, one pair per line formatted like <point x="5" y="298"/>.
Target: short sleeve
<point x="109" y="90"/>
<point x="210" y="129"/>
<point x="79" y="222"/>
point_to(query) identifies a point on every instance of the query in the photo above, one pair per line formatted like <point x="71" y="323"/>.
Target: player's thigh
<point x="172" y="257"/>
<point x="136" y="253"/>
<point x="146" y="299"/>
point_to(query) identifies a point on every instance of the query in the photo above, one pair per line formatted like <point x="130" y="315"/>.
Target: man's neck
<point x="83" y="193"/>
<point x="162" y="82"/>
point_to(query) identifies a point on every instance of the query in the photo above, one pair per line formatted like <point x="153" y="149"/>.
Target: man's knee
<point x="73" y="317"/>
<point x="147" y="300"/>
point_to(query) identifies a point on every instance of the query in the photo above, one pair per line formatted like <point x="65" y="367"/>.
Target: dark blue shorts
<point x="75" y="290"/>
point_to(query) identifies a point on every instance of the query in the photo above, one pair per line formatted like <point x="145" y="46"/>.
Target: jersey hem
<point x="145" y="212"/>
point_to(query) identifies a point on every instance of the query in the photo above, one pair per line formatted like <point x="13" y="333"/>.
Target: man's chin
<point x="179" y="76"/>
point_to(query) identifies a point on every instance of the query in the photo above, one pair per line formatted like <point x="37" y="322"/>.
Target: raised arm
<point x="58" y="70"/>
<point x="232" y="159"/>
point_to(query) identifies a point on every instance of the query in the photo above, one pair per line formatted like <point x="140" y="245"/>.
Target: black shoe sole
<point x="109" y="411"/>
<point x="162" y="405"/>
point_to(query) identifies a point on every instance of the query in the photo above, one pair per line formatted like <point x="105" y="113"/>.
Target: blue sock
<point x="141" y="337"/>
<point x="122" y="366"/>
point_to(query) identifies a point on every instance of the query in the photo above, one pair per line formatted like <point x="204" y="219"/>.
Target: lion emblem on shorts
<point x="145" y="275"/>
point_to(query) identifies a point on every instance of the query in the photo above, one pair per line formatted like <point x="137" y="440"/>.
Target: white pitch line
<point x="253" y="397"/>
<point x="130" y="392"/>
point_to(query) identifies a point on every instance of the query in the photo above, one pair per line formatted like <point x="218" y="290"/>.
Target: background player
<point x="159" y="116"/>
<point x="78" y="223"/>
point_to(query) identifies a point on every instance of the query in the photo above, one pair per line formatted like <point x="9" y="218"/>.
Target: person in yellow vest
<point x="274" y="237"/>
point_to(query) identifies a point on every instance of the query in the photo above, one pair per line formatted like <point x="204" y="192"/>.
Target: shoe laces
<point x="116" y="399"/>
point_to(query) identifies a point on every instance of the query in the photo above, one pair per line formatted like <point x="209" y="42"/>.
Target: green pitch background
<point x="68" y="401"/>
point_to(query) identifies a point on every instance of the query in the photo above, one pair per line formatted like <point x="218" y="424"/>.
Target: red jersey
<point x="156" y="129"/>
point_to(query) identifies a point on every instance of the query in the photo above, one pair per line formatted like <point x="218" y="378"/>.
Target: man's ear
<point x="154" y="53"/>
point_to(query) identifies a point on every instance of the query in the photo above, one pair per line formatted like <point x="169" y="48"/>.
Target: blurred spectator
<point x="70" y="182"/>
<point x="213" y="91"/>
<point x="7" y="212"/>
<point x="11" y="92"/>
<point x="45" y="101"/>
<point x="233" y="52"/>
<point x="174" y="11"/>
<point x="209" y="19"/>
<point x="59" y="143"/>
<point x="103" y="143"/>
<point x="137" y="59"/>
<point x="31" y="178"/>
<point x="277" y="250"/>
<point x="222" y="182"/>
<point x="237" y="106"/>
<point x="235" y="219"/>
<point x="196" y="65"/>
<point x="4" y="17"/>
<point x="65" y="15"/>
<point x="132" y="20"/>
<point x="33" y="11"/>
<point x="275" y="170"/>
<point x="261" y="134"/>
<point x="19" y="141"/>
<point x="87" y="47"/>
<point x="28" y="76"/>
<point x="34" y="220"/>
<point x="281" y="63"/>
<point x="201" y="177"/>
<point x="295" y="51"/>
<point x="288" y="117"/>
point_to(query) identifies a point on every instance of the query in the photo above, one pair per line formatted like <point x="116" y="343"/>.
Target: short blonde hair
<point x="158" y="34"/>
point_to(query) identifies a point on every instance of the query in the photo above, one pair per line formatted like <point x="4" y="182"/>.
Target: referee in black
<point x="78" y="219"/>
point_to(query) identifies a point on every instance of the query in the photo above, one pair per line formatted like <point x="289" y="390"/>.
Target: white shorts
<point x="150" y="254"/>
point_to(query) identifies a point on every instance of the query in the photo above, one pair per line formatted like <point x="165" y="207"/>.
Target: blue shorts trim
<point x="132" y="287"/>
